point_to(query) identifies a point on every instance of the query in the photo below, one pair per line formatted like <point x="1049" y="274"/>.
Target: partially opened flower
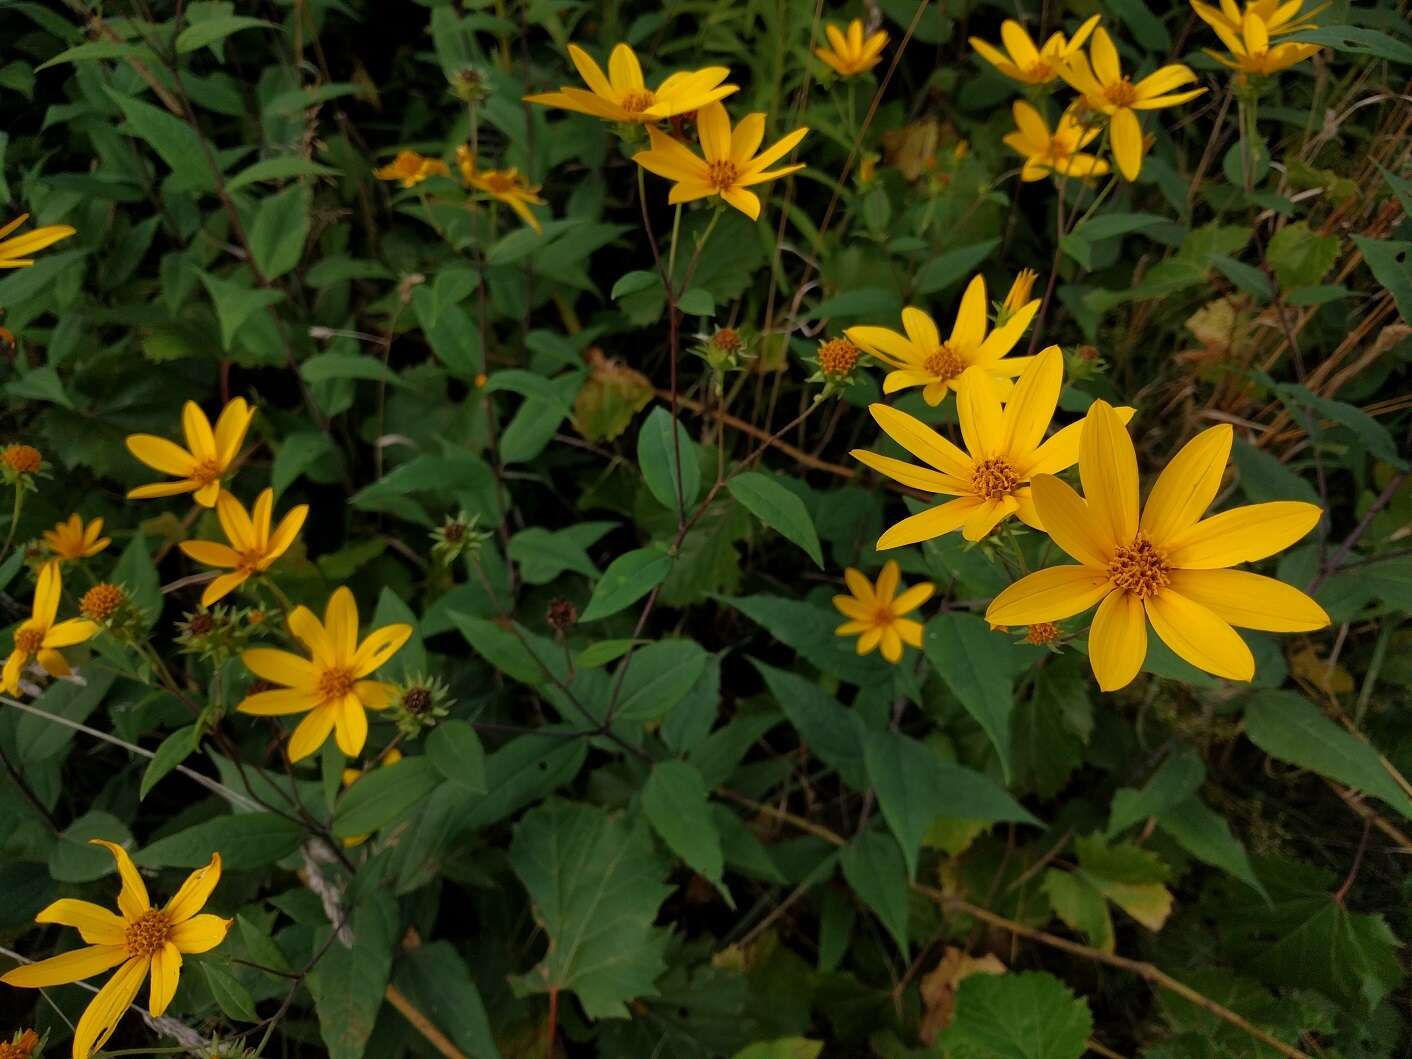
<point x="15" y="251"/>
<point x="71" y="539"/>
<point x="1251" y="50"/>
<point x="1004" y="448"/>
<point x="877" y="614"/>
<point x="1059" y="152"/>
<point x="920" y="358"/>
<point x="502" y="185"/>
<point x="331" y="685"/>
<point x="1022" y="61"/>
<point x="850" y="52"/>
<point x="1280" y="16"/>
<point x="40" y="637"/>
<point x="21" y="1045"/>
<point x="207" y="458"/>
<point x="730" y="165"/>
<point x="1167" y="565"/>
<point x="253" y="546"/>
<point x="141" y="941"/>
<point x="623" y="95"/>
<point x="410" y="168"/>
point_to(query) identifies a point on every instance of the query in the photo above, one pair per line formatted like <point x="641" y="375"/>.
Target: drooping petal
<point x="95" y="924"/>
<point x="132" y="899"/>
<point x="223" y="586"/>
<point x="195" y="891"/>
<point x="67" y="967"/>
<point x="1051" y="594"/>
<point x="312" y="731"/>
<point x="1125" y="134"/>
<point x="1071" y="523"/>
<point x="104" y="1011"/>
<point x="1187" y="485"/>
<point x="929" y="524"/>
<point x="922" y="441"/>
<point x="161" y="454"/>
<point x="1032" y="403"/>
<point x="1242" y="534"/>
<point x="1250" y="601"/>
<point x="1108" y="470"/>
<point x="1117" y="640"/>
<point x="281" y="667"/>
<point x="869" y="640"/>
<point x="747" y="202"/>
<point x="53" y="662"/>
<point x="1200" y="637"/>
<point x="200" y="933"/>
<point x="208" y="494"/>
<point x="166" y="974"/>
<point x="379" y="645"/>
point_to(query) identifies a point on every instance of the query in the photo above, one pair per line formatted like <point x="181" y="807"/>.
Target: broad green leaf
<point x="979" y="666"/>
<point x="245" y="841"/>
<point x="1017" y="1016"/>
<point x="514" y="651"/>
<point x="348" y="984"/>
<point x="875" y="870"/>
<point x="437" y="981"/>
<point x="322" y="367"/>
<point x="73" y="860"/>
<point x="832" y="733"/>
<point x="456" y="751"/>
<point x="1131" y="877"/>
<point x="138" y="576"/>
<point x="1357" y="40"/>
<point x="384" y="795"/>
<point x="1078" y="903"/>
<point x="236" y="302"/>
<point x="628" y="578"/>
<point x="215" y="29"/>
<point x="657" y="459"/>
<point x="658" y="677"/>
<point x="232" y="997"/>
<point x="778" y="508"/>
<point x="172" y="751"/>
<point x="676" y="804"/>
<point x="279" y="232"/>
<point x="175" y="142"/>
<point x="1176" y="780"/>
<point x="951" y="267"/>
<point x="1391" y="263"/>
<point x="1051" y="726"/>
<point x="286" y="168"/>
<point x="545" y="554"/>
<point x="1300" y="256"/>
<point x="1207" y="836"/>
<point x="37" y="738"/>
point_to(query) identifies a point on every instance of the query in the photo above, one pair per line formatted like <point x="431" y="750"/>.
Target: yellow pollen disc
<point x="101" y="602"/>
<point x="499" y="183"/>
<point x="22" y="459"/>
<point x="206" y="471"/>
<point x="1139" y="568"/>
<point x="1121" y="93"/>
<point x="722" y="174"/>
<point x="148" y="933"/>
<point x="994" y="478"/>
<point x="28" y="641"/>
<point x="636" y="102"/>
<point x="249" y="562"/>
<point x="838" y="356"/>
<point x="1041" y="71"/>
<point x="945" y="363"/>
<point x="1041" y="633"/>
<point x="335" y="683"/>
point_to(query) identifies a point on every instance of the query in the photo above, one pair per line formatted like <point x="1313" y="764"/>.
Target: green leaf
<point x="437" y="981"/>
<point x="297" y="454"/>
<point x="280" y="230"/>
<point x="1078" y="903"/>
<point x="783" y="1048"/>
<point x="951" y="267"/>
<point x="596" y="884"/>
<point x="1017" y="1016"/>
<point x="73" y="860"/>
<point x="232" y="997"/>
<point x="286" y="168"/>
<point x="634" y="283"/>
<point x="658" y="677"/>
<point x="173" y="750"/>
<point x="778" y="508"/>
<point x="1051" y="726"/>
<point x="1357" y="40"/>
<point x="979" y="666"/>
<point x="39" y="738"/>
<point x="519" y="654"/>
<point x="40" y="384"/>
<point x="137" y="574"/>
<point x="833" y="734"/>
<point x="211" y="30"/>
<point x="657" y="458"/>
<point x="1131" y="877"/>
<point x="1369" y="432"/>
<point x="697" y="302"/>
<point x="1391" y="263"/>
<point x="93" y="50"/>
<point x="235" y="303"/>
<point x="600" y="654"/>
<point x="245" y="841"/>
<point x="1263" y="477"/>
<point x="1300" y="256"/>
<point x="1177" y="779"/>
<point x="384" y="795"/>
<point x="175" y="142"/>
<point x="875" y="870"/>
<point x="676" y="804"/>
<point x="1207" y="836"/>
<point x="628" y="578"/>
<point x="545" y="554"/>
<point x="322" y="367"/>
<point x="456" y="751"/>
<point x="809" y="629"/>
<point x="348" y="984"/>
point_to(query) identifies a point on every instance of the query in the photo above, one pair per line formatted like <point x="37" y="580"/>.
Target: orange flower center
<point x="498" y="183"/>
<point x="838" y="356"/>
<point x="335" y="683"/>
<point x="148" y="933"/>
<point x="101" y="602"/>
<point x="1041" y="633"/>
<point x="1139" y="568"/>
<point x="29" y="640"/>
<point x="1121" y="93"/>
<point x="22" y="459"/>
<point x="637" y="101"/>
<point x="249" y="562"/>
<point x="1041" y="70"/>
<point x="945" y="363"/>
<point x="207" y="471"/>
<point x="994" y="478"/>
<point x="722" y="174"/>
<point x="22" y="1047"/>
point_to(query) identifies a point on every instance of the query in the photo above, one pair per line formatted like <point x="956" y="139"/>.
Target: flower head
<point x="502" y="185"/>
<point x="20" y="463"/>
<point x="15" y="251"/>
<point x="623" y="95"/>
<point x="1280" y="16"/>
<point x="1019" y="294"/>
<point x="850" y="52"/>
<point x="71" y="539"/>
<point x="730" y="165"/>
<point x="422" y="701"/>
<point x="921" y="358"/>
<point x="253" y="546"/>
<point x="139" y="940"/>
<point x="330" y="685"/>
<point x="207" y="458"/>
<point x="40" y="637"/>
<point x="1251" y="50"/>
<point x="877" y="614"/>
<point x="1167" y="565"/>
<point x="19" y="1046"/>
<point x="1022" y="61"/>
<point x="101" y="602"/>
<point x="1059" y="152"/>
<point x="411" y="168"/>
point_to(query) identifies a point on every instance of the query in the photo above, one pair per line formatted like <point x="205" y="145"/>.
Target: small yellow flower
<point x="14" y="252"/>
<point x="142" y="939"/>
<point x="1251" y="51"/>
<point x="921" y="358"/>
<point x="1167" y="565"/>
<point x="1280" y="16"/>
<point x="850" y="52"/>
<point x="502" y="185"/>
<point x="1022" y="61"/>
<point x="330" y="685"/>
<point x="101" y="602"/>
<point x="623" y="95"/>
<point x="40" y="637"/>
<point x="411" y="168"/>
<point x="1059" y="152"/>
<point x="1019" y="293"/>
<point x="20" y="1046"/>
<point x="352" y="776"/>
<point x="877" y="615"/>
<point x="71" y="539"/>
<point x="207" y="458"/>
<point x="253" y="548"/>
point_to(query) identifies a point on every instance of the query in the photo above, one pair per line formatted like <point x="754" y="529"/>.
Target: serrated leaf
<point x="1017" y="1016"/>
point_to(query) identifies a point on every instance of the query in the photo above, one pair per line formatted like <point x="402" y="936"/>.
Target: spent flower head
<point x="458" y="535"/>
<point x="421" y="702"/>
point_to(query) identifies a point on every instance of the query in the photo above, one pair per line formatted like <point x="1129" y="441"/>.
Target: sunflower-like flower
<point x="207" y="458"/>
<point x="921" y="358"/>
<point x="71" y="539"/>
<point x="623" y="95"/>
<point x="410" y="168"/>
<point x="990" y="480"/>
<point x="40" y="637"/>
<point x="253" y="546"/>
<point x="139" y="940"/>
<point x="877" y="615"/>
<point x="502" y="185"/>
<point x="730" y="165"/>
<point x="1168" y="565"/>
<point x="1107" y="90"/>
<point x="1022" y="61"/>
<point x="1280" y="16"/>
<point x="1059" y="152"/>
<point x="1251" y="51"/>
<point x="15" y="251"/>
<point x="331" y="685"/>
<point x="851" y="52"/>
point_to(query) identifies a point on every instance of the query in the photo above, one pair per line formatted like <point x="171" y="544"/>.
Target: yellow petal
<point x="161" y="454"/>
<point x="350" y="725"/>
<point x="1051" y="594"/>
<point x="624" y="71"/>
<point x="859" y="585"/>
<point x="986" y="517"/>
<point x="1250" y="601"/>
<point x="158" y="489"/>
<point x="886" y="587"/>
<point x="1242" y="534"/>
<point x="47" y="590"/>
<point x="968" y="331"/>
<point x="101" y="1016"/>
<point x="1126" y="136"/>
<point x="1106" y="66"/>
<point x="1032" y="403"/>
<point x="70" y="632"/>
<point x="1061" y="451"/>
<point x="95" y="924"/>
<point x="67" y="967"/>
<point x="341" y="625"/>
<point x="922" y="441"/>
<point x="1108" y="470"/>
<point x="166" y="973"/>
<point x="210" y="553"/>
<point x="208" y="494"/>
<point x="132" y="899"/>
<point x="230" y="430"/>
<point x="1187" y="485"/>
<point x="223" y="586"/>
<point x="287" y="530"/>
<point x="279" y="702"/>
<point x="312" y="731"/>
<point x="375" y="694"/>
<point x="891" y="644"/>
<point x="281" y="667"/>
<point x="713" y="127"/>
<point x="195" y="892"/>
<point x="236" y="522"/>
<point x="912" y="475"/>
<point x="979" y="410"/>
<point x="1117" y="641"/>
<point x="913" y="598"/>
<point x="747" y="202"/>
<point x="378" y="647"/>
<point x="199" y="437"/>
<point x="1199" y="636"/>
<point x="200" y="933"/>
<point x="1071" y="523"/>
<point x="887" y="345"/>
<point x="931" y="523"/>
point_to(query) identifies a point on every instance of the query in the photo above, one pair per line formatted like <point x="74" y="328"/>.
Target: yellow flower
<point x="40" y="637"/>
<point x="1105" y="89"/>
<point x="142" y="939"/>
<point x="330" y="684"/>
<point x="411" y="168"/>
<point x="851" y="53"/>
<point x="503" y="185"/>
<point x="921" y="358"/>
<point x="20" y="459"/>
<point x="20" y="1046"/>
<point x="1169" y="564"/>
<point x="14" y="253"/>
<point x="877" y="614"/>
<point x="730" y="164"/>
<point x="253" y="547"/>
<point x="1279" y="16"/>
<point x="990" y="478"/>
<point x="352" y="776"/>
<point x="207" y="457"/>
<point x="1019" y="293"/>
<point x="1251" y="51"/>
<point x="623" y="96"/>
<point x="71" y="539"/>
<point x="1022" y="61"/>
<point x="1058" y="152"/>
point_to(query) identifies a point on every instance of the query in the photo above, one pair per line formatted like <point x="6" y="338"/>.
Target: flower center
<point x="148" y="933"/>
<point x="838" y="356"/>
<point x="207" y="471"/>
<point x="29" y="640"/>
<point x="1041" y="633"/>
<point x="1041" y="70"/>
<point x="498" y="183"/>
<point x="994" y="478"/>
<point x="101" y="602"/>
<point x="1139" y="568"/>
<point x="1121" y="93"/>
<point x="722" y="174"/>
<point x="335" y="683"/>
<point x="636" y="102"/>
<point x="249" y="562"/>
<point x="945" y="363"/>
<point x="22" y="459"/>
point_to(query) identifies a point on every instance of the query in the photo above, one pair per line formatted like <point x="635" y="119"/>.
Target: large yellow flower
<point x="1059" y="152"/>
<point x="1022" y="61"/>
<point x="142" y="939"/>
<point x="410" y="168"/>
<point x="253" y="547"/>
<point x="623" y="95"/>
<point x="502" y="185"/>
<point x="330" y="685"/>
<point x="71" y="539"/>
<point x="1252" y="52"/>
<point x="877" y="615"/>
<point x="921" y="358"/>
<point x="731" y="164"/>
<point x="850" y="53"/>
<point x="207" y="458"/>
<point x="1280" y="16"/>
<point x="40" y="637"/>
<point x="1106" y="89"/>
<point x="1168" y="564"/>
<point x="1004" y="448"/>
<point x="14" y="252"/>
